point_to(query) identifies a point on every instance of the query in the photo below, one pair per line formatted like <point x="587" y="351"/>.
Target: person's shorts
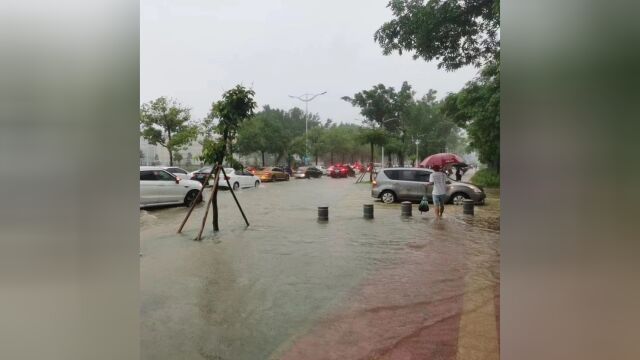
<point x="438" y="200"/>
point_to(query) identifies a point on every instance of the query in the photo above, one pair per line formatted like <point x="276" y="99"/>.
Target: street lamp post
<point x="382" y="125"/>
<point x="306" y="98"/>
<point x="417" y="142"/>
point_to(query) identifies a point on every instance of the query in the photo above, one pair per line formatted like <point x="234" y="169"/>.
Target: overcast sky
<point x="194" y="50"/>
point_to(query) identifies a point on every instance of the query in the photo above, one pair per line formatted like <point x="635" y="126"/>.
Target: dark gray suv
<point x="410" y="184"/>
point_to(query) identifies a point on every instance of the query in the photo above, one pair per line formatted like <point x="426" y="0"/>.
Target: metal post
<point x="405" y="208"/>
<point x="306" y="98"/>
<point x="367" y="211"/>
<point x="306" y="130"/>
<point x="323" y="213"/>
<point x="467" y="206"/>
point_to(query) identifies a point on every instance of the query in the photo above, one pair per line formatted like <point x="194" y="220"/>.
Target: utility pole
<point x="417" y="142"/>
<point x="306" y="98"/>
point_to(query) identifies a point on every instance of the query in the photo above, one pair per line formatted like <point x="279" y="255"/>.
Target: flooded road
<point x="288" y="287"/>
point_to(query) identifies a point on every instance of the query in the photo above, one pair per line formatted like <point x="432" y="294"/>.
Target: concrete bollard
<point x="467" y="206"/>
<point x="323" y="213"/>
<point x="405" y="208"/>
<point x="368" y="211"/>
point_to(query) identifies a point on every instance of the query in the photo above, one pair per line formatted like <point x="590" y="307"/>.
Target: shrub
<point x="486" y="178"/>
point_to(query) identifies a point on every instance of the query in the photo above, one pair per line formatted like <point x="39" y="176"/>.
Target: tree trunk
<point x="316" y="159"/>
<point x="262" y="152"/>
<point x="371" y="162"/>
<point x="331" y="158"/>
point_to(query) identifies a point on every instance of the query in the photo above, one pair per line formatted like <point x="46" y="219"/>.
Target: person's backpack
<point x="424" y="204"/>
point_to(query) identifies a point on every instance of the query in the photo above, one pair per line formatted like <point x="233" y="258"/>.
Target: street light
<point x="382" y="157"/>
<point x="417" y="141"/>
<point x="306" y="98"/>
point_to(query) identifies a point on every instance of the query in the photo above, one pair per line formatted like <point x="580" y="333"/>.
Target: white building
<point x="158" y="155"/>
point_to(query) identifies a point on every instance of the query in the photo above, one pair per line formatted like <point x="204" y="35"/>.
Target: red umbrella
<point x="442" y="160"/>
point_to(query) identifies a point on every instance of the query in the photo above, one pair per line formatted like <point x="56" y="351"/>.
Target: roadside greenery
<point x="486" y="178"/>
<point x="166" y="123"/>
<point x="406" y="120"/>
<point x="456" y="34"/>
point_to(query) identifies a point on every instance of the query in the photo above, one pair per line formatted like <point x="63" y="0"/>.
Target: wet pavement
<point x="288" y="287"/>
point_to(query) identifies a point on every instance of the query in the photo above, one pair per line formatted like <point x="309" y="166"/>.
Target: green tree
<point x="316" y="138"/>
<point x="476" y="108"/>
<point x="237" y="105"/>
<point x="386" y="107"/>
<point x="177" y="157"/>
<point x="427" y="123"/>
<point x="165" y="122"/>
<point x="456" y="33"/>
<point x="453" y="32"/>
<point x="252" y="138"/>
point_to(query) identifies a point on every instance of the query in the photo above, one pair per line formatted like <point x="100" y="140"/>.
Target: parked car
<point x="286" y="169"/>
<point x="238" y="179"/>
<point x="342" y="171"/>
<point x="159" y="187"/>
<point x="201" y="174"/>
<point x="410" y="184"/>
<point x="322" y="169"/>
<point x="180" y="173"/>
<point x="307" y="172"/>
<point x="271" y="173"/>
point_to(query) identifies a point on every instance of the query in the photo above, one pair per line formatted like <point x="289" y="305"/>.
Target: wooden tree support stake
<point x="234" y="197"/>
<point x="213" y="202"/>
<point x="193" y="205"/>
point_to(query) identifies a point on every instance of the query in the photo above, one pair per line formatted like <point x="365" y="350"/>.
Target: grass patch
<point x="486" y="178"/>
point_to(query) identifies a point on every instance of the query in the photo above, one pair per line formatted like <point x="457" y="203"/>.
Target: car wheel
<point x="287" y="178"/>
<point x="257" y="183"/>
<point x="458" y="198"/>
<point x="236" y="186"/>
<point x="388" y="197"/>
<point x="190" y="197"/>
<point x="273" y="178"/>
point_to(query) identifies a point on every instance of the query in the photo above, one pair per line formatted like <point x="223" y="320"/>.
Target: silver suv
<point x="402" y="184"/>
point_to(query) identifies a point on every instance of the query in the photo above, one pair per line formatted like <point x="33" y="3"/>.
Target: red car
<point x="341" y="171"/>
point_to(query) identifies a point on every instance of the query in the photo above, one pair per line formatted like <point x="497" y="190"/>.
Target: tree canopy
<point x="476" y="108"/>
<point x="453" y="32"/>
<point x="165" y="122"/>
<point x="236" y="106"/>
<point x="456" y="33"/>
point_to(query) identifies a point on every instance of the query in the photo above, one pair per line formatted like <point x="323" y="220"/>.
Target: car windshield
<point x="229" y="171"/>
<point x="204" y="170"/>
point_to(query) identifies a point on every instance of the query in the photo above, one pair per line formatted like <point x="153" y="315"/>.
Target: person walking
<point x="439" y="181"/>
<point x="458" y="174"/>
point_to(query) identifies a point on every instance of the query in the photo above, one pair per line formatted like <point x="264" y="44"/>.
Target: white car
<point x="321" y="168"/>
<point x="180" y="173"/>
<point x="238" y="179"/>
<point x="159" y="187"/>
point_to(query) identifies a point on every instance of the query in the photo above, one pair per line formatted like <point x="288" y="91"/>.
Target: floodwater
<point x="289" y="287"/>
